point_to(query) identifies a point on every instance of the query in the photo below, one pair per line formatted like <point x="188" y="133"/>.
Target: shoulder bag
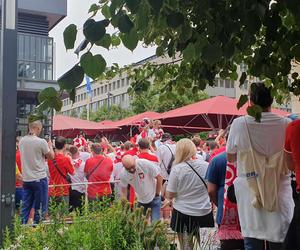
<point x="66" y="177"/>
<point x="94" y="169"/>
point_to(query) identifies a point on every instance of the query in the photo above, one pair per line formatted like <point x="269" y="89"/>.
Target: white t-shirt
<point x="191" y="194"/>
<point x="84" y="156"/>
<point x="33" y="150"/>
<point x="164" y="156"/>
<point x="79" y="175"/>
<point x="143" y="180"/>
<point x="267" y="138"/>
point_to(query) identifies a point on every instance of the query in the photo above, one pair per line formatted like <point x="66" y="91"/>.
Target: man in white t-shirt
<point x="248" y="138"/>
<point x="35" y="183"/>
<point x="144" y="176"/>
<point x="166" y="155"/>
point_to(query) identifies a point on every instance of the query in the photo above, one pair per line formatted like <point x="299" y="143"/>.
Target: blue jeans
<point x="35" y="196"/>
<point x="155" y="206"/>
<point x="19" y="196"/>
<point x="256" y="244"/>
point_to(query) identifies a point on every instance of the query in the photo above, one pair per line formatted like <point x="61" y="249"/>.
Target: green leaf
<point x="234" y="75"/>
<point x="229" y="50"/>
<point x="125" y="24"/>
<point x="243" y="78"/>
<point x="255" y="111"/>
<point x="296" y="51"/>
<point x="70" y="34"/>
<point x="133" y="5"/>
<point x="94" y="7"/>
<point x="211" y="54"/>
<point x="36" y="117"/>
<point x="156" y="5"/>
<point x="130" y="40"/>
<point x="242" y="101"/>
<point x="72" y="94"/>
<point x="175" y="19"/>
<point x="160" y="51"/>
<point x="42" y="106"/>
<point x="93" y="66"/>
<point x="105" y="41"/>
<point x="189" y="52"/>
<point x="94" y="31"/>
<point x="72" y="78"/>
<point x="47" y="94"/>
<point x="106" y="12"/>
<point x="55" y="103"/>
<point x="115" y="40"/>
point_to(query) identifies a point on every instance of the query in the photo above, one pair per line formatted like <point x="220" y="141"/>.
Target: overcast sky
<point x="77" y="14"/>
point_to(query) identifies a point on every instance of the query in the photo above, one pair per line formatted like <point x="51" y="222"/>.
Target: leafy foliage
<point x="213" y="37"/>
<point x="114" y="113"/>
<point x="115" y="228"/>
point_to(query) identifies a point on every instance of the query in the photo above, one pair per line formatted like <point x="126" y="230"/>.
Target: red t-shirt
<point x="65" y="166"/>
<point x="147" y="156"/>
<point x="292" y="138"/>
<point x="216" y="152"/>
<point x="132" y="151"/>
<point x="18" y="161"/>
<point x="102" y="173"/>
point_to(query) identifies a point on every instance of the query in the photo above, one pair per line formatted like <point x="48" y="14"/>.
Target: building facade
<point x="114" y="91"/>
<point x="35" y="53"/>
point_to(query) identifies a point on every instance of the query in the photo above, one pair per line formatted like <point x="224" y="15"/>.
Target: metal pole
<point x="8" y="108"/>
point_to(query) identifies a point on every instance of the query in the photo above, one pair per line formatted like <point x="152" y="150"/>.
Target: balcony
<point x="35" y="57"/>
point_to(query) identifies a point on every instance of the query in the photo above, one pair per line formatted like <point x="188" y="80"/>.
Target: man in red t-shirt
<point x="59" y="168"/>
<point x="98" y="169"/>
<point x="144" y="148"/>
<point x="19" y="183"/>
<point x="292" y="149"/>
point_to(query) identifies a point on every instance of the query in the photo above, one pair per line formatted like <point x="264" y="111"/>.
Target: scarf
<point x="230" y="225"/>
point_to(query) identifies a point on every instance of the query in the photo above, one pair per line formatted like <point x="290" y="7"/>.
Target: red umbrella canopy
<point x="70" y="126"/>
<point x="136" y="119"/>
<point x="214" y="113"/>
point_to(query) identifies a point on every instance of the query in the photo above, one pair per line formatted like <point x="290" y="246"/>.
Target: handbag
<point x="93" y="170"/>
<point x="197" y="174"/>
<point x="66" y="177"/>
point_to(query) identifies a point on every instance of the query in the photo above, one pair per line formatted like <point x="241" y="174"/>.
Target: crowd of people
<point x="244" y="174"/>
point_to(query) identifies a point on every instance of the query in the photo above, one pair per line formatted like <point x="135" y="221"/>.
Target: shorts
<point x="181" y="222"/>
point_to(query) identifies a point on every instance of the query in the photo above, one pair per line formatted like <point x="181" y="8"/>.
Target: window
<point x="118" y="84"/>
<point x="221" y="83"/>
<point x="105" y="89"/>
<point x="94" y="92"/>
<point x="127" y="81"/>
<point x="84" y="96"/>
<point x="114" y="85"/>
<point x="227" y="84"/>
<point x="109" y="87"/>
<point x="114" y="100"/>
<point x="81" y="97"/>
<point x="123" y="97"/>
<point x="231" y="84"/>
<point x="123" y="82"/>
<point x="98" y="91"/>
<point x="102" y="89"/>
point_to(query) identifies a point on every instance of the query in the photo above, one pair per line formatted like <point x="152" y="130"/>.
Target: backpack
<point x="171" y="161"/>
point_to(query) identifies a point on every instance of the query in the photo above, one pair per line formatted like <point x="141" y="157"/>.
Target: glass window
<point x="101" y="89"/>
<point x="114" y="85"/>
<point x="127" y="81"/>
<point x="98" y="91"/>
<point x="84" y="96"/>
<point x="123" y="82"/>
<point x="44" y="49"/>
<point x="118" y="84"/>
<point x="231" y="84"/>
<point x="32" y="48"/>
<point x="123" y="97"/>
<point x="105" y="89"/>
<point x="21" y="47"/>
<point x="94" y="92"/>
<point x="109" y="87"/>
<point x="227" y="84"/>
<point x="27" y="47"/>
<point x="38" y="42"/>
<point x="221" y="83"/>
<point x="49" y="52"/>
<point x="49" y="72"/>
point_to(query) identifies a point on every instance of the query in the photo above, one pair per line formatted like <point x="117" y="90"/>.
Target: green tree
<point x="153" y="100"/>
<point x="211" y="37"/>
<point x="114" y="113"/>
<point x="83" y="114"/>
<point x="73" y="113"/>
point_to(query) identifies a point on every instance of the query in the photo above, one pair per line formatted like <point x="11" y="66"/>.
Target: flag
<point x="89" y="86"/>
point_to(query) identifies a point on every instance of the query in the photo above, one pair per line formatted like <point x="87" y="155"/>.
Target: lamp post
<point x="8" y="108"/>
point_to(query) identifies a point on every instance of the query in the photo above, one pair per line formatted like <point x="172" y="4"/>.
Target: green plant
<point x="99" y="227"/>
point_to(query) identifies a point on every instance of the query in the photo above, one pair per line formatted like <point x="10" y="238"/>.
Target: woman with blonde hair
<point x="186" y="185"/>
